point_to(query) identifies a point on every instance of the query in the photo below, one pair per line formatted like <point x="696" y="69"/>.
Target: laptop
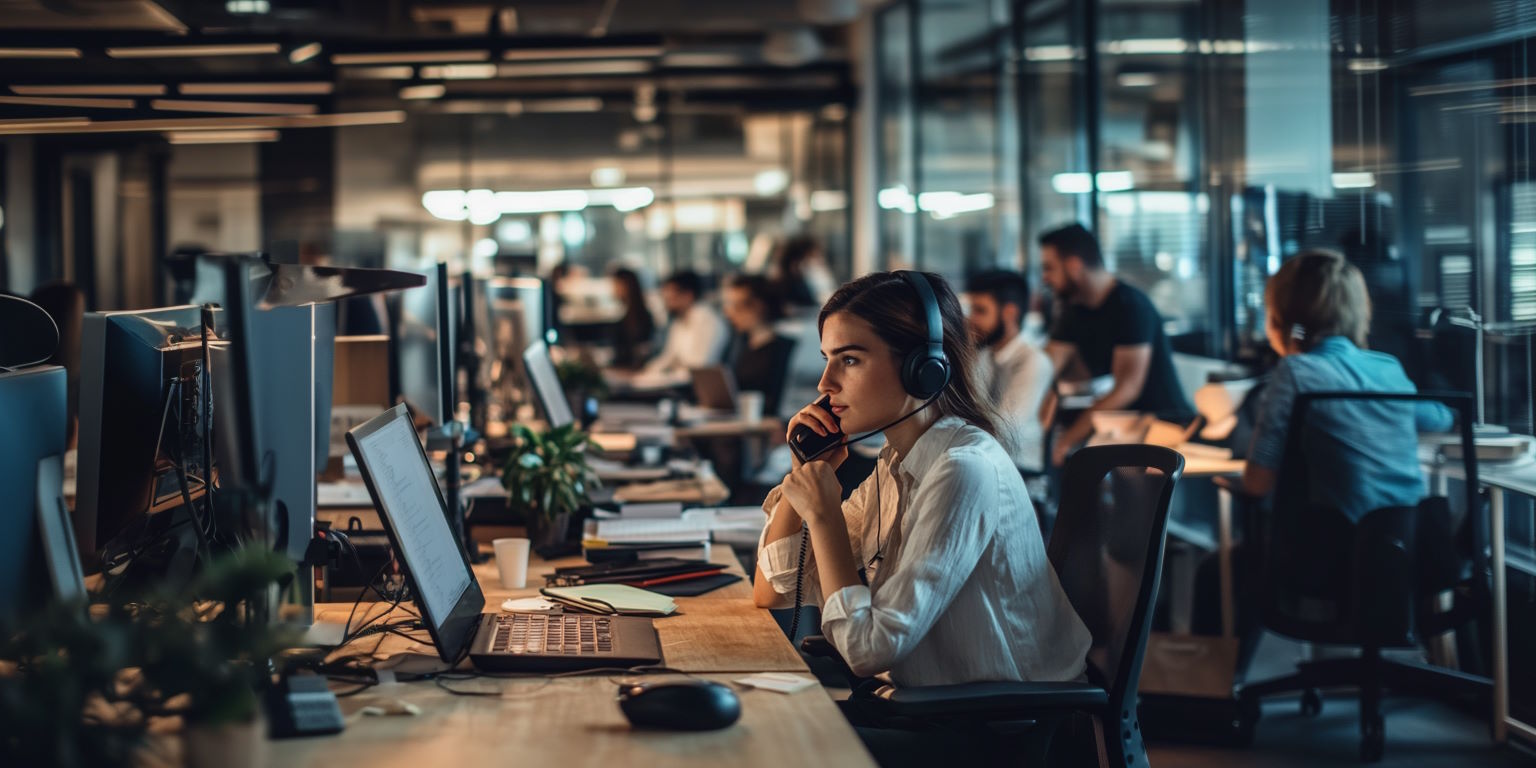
<point x="714" y="388"/>
<point x="399" y="479"/>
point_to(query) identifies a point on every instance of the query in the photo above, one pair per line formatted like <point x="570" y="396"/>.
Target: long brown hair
<point x="890" y="305"/>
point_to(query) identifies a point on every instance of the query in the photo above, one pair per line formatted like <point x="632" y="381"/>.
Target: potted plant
<point x="78" y="688"/>
<point x="547" y="476"/>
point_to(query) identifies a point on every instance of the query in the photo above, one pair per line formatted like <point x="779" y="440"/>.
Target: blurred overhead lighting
<point x="1136" y="79"/>
<point x="236" y="107"/>
<point x="247" y="6"/>
<point x="834" y="112"/>
<point x="1081" y="183"/>
<point x="256" y="89"/>
<point x="791" y="47"/>
<point x="185" y="51"/>
<point x="221" y="137"/>
<point x="571" y="68"/>
<point x="1354" y="180"/>
<point x="579" y="104"/>
<point x="607" y="176"/>
<point x="41" y="124"/>
<point x="304" y="53"/>
<point x="39" y="53"/>
<point x="824" y="200"/>
<point x="427" y="91"/>
<point x="482" y="206"/>
<point x="770" y="182"/>
<point x="595" y="52"/>
<point x="65" y="101"/>
<point x="1366" y="66"/>
<point x="1146" y="45"/>
<point x="378" y="73"/>
<point x="1050" y="53"/>
<point x="702" y="59"/>
<point x="459" y="71"/>
<point x="244" y="122"/>
<point x="941" y="205"/>
<point x="88" y="90"/>
<point x="408" y="57"/>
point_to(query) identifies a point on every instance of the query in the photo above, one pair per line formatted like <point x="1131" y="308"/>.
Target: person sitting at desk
<point x="1015" y="374"/>
<point x="696" y="335"/>
<point x="934" y="570"/>
<point x="759" y="356"/>
<point x="1110" y="329"/>
<point x="635" y="331"/>
<point x="1317" y="313"/>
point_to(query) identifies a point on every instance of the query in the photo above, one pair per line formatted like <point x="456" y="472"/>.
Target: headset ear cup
<point x="924" y="375"/>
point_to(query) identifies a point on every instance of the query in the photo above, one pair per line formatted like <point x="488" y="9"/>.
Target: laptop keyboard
<point x="557" y="635"/>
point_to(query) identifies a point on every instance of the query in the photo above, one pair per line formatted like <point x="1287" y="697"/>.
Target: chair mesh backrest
<point x="1107" y="548"/>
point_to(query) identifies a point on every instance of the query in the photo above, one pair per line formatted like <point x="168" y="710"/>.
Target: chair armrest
<point x="969" y="698"/>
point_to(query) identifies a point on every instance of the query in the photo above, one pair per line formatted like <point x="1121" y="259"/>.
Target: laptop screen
<point x="546" y="384"/>
<point x="407" y="497"/>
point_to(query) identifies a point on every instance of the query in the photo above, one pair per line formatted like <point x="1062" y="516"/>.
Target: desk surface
<point x="575" y="720"/>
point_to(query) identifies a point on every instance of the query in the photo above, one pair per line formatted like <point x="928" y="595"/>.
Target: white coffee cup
<point x="512" y="561"/>
<point x="749" y="406"/>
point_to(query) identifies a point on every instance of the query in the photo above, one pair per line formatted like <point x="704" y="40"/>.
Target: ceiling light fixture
<point x="458" y="72"/>
<point x="186" y="51"/>
<point x="39" y="53"/>
<point x="88" y="90"/>
<point x="408" y="57"/>
<point x="221" y="137"/>
<point x="256" y="89"/>
<point x="236" y="107"/>
<point x="581" y="104"/>
<point x="570" y="68"/>
<point x="428" y="91"/>
<point x="378" y="73"/>
<point x="83" y="125"/>
<point x="561" y="54"/>
<point x="61" y="101"/>
<point x="304" y="53"/>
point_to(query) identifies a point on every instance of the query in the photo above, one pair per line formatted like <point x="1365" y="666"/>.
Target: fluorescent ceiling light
<point x="770" y="182"/>
<point x="1080" y="183"/>
<point x="39" y="53"/>
<point x="482" y="206"/>
<point x="304" y="53"/>
<point x="247" y="6"/>
<point x="1366" y="66"/>
<point x="82" y="125"/>
<point x="944" y="205"/>
<point x="1136" y="79"/>
<point x="1050" y="53"/>
<point x="591" y="104"/>
<point x="58" y="101"/>
<point x="567" y="68"/>
<point x="236" y="107"/>
<point x="257" y="89"/>
<point x="427" y="91"/>
<point x="563" y="54"/>
<point x="1147" y="45"/>
<point x="221" y="137"/>
<point x="88" y="90"/>
<point x="408" y="57"/>
<point x="379" y="73"/>
<point x="1354" y="180"/>
<point x="184" y="51"/>
<point x="607" y="176"/>
<point x="824" y="200"/>
<point x="701" y="59"/>
<point x="459" y="71"/>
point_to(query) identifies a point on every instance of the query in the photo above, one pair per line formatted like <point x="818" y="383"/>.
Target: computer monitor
<point x="415" y="351"/>
<point x="37" y="551"/>
<point x="546" y="385"/>
<point x="519" y="316"/>
<point x="142" y="415"/>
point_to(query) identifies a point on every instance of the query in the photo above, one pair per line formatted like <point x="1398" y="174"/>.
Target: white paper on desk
<point x="781" y="682"/>
<point x="529" y="605"/>
<point x="663" y="510"/>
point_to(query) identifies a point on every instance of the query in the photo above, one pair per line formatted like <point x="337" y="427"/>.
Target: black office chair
<point x="1324" y="579"/>
<point x="1107" y="549"/>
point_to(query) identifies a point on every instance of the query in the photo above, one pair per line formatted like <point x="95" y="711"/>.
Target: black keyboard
<point x="556" y="635"/>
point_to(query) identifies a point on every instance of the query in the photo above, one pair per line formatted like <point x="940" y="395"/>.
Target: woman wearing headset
<point x="934" y="570"/>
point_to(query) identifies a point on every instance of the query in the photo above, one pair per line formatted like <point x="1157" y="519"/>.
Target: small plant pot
<point x="227" y="745"/>
<point x="545" y="532"/>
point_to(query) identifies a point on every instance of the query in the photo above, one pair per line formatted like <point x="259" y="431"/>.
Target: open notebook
<point x="612" y="599"/>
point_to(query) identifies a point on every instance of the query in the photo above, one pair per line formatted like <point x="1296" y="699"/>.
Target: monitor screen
<point x="416" y="355"/>
<point x="546" y="385"/>
<point x="407" y="496"/>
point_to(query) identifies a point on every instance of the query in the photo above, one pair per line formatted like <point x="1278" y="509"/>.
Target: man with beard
<point x="1014" y="372"/>
<point x="1106" y="328"/>
<point x="696" y="335"/>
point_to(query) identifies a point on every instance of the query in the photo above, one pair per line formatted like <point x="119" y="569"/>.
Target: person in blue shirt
<point x="1362" y="453"/>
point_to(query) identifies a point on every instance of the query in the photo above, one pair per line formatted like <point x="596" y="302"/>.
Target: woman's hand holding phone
<point x="819" y="421"/>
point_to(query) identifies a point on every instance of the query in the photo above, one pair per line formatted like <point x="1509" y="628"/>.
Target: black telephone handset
<point x="806" y="444"/>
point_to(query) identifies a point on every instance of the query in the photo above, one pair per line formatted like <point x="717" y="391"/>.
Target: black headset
<point x="926" y="371"/>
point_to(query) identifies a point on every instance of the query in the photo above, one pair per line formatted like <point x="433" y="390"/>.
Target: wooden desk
<point x="572" y="722"/>
<point x="576" y="721"/>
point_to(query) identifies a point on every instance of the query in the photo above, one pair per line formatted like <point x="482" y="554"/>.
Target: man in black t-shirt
<point x="1110" y="329"/>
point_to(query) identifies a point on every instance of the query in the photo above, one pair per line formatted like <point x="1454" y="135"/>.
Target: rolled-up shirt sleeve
<point x="778" y="560"/>
<point x="1274" y="421"/>
<point x="947" y="527"/>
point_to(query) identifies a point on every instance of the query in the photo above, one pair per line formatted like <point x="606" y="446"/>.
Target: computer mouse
<point x="693" y="705"/>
